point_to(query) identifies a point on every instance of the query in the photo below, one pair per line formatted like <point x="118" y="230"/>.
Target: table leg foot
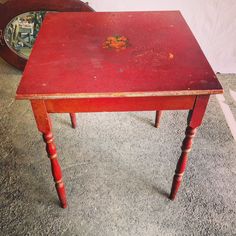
<point x="61" y="194"/>
<point x="182" y="162"/>
<point x="56" y="170"/>
<point x="73" y="120"/>
<point x="158" y="119"/>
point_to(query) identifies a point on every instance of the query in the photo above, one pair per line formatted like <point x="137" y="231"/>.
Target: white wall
<point x="213" y="23"/>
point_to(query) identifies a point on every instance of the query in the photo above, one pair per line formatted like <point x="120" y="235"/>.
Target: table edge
<point x="117" y="94"/>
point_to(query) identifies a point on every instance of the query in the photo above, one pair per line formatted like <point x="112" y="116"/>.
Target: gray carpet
<point x="118" y="171"/>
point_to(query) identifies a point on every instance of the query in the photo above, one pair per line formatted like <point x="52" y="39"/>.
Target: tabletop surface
<point x="75" y="57"/>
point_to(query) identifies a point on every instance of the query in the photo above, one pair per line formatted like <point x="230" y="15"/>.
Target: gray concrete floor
<point x="118" y="171"/>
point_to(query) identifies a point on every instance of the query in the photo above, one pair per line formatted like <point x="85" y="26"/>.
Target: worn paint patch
<point x="116" y="42"/>
<point x="171" y="55"/>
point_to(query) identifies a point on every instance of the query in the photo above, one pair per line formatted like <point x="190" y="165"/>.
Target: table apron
<point x="113" y="104"/>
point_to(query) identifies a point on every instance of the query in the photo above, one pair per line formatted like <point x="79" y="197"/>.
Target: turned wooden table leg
<point x="158" y="119"/>
<point x="44" y="126"/>
<point x="56" y="169"/>
<point x="182" y="162"/>
<point x="73" y="120"/>
<point x="194" y="120"/>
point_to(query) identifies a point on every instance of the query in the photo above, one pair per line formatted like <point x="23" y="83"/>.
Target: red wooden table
<point x="106" y="62"/>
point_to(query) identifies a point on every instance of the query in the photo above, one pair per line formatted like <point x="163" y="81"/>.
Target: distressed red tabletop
<point x="85" y="54"/>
